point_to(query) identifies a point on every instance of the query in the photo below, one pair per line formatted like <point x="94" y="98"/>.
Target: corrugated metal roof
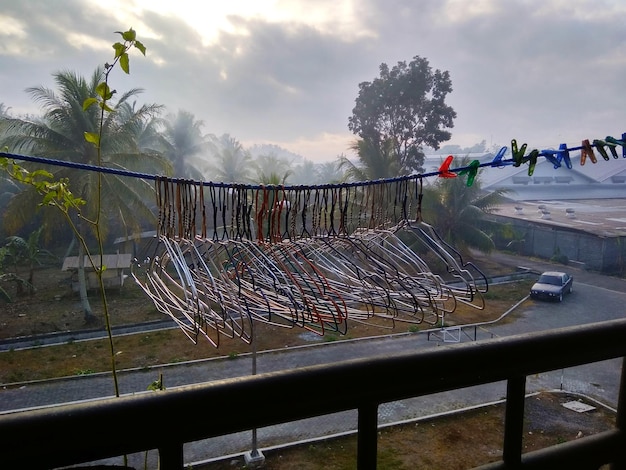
<point x="602" y="217"/>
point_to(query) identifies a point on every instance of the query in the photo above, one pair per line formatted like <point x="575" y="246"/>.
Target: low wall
<point x="588" y="250"/>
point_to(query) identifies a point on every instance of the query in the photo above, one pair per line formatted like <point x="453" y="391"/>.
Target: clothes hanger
<point x="370" y="293"/>
<point x="428" y="238"/>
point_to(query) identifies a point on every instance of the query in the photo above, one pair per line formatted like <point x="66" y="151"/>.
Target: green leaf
<point x="47" y="199"/>
<point x="125" y="63"/>
<point x="104" y="91"/>
<point x="88" y="103"/>
<point x="42" y="174"/>
<point x="141" y="47"/>
<point x="92" y="137"/>
<point x="119" y="49"/>
<point x="129" y="35"/>
<point x="106" y="107"/>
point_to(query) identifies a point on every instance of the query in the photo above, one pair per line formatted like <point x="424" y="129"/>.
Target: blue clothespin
<point x="497" y="160"/>
<point x="553" y="156"/>
<point x="564" y="156"/>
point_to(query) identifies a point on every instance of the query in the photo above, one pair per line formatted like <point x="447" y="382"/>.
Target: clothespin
<point x="614" y="142"/>
<point x="532" y="158"/>
<point x="599" y="144"/>
<point x="444" y="170"/>
<point x="471" y="170"/>
<point x="564" y="156"/>
<point x="587" y="151"/>
<point x="518" y="155"/>
<point x="553" y="156"/>
<point x="497" y="160"/>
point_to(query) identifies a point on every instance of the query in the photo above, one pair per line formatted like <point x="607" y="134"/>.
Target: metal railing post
<point x="367" y="441"/>
<point x="620" y="419"/>
<point x="171" y="457"/>
<point x="514" y="421"/>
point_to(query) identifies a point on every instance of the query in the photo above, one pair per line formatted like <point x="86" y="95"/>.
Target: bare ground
<point x="454" y="442"/>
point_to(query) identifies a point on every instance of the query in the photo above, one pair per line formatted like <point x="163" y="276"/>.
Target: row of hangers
<point x="227" y="257"/>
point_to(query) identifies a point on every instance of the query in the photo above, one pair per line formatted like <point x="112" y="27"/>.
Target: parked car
<point x="552" y="285"/>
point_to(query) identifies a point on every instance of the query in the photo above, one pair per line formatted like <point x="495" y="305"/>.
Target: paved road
<point x="595" y="298"/>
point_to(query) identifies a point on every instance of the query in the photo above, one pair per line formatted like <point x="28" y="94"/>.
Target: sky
<point x="286" y="72"/>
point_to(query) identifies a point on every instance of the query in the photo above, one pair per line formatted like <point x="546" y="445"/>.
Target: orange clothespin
<point x="587" y="151"/>
<point x="444" y="170"/>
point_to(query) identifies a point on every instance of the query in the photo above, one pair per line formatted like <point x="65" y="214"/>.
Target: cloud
<point x="539" y="71"/>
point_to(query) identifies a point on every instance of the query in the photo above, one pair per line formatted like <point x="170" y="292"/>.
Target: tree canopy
<point x="59" y="134"/>
<point x="406" y="106"/>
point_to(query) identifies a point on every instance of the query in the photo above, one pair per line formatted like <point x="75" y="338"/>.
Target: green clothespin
<point x="518" y="155"/>
<point x="471" y="171"/>
<point x="532" y="159"/>
<point x="613" y="142"/>
<point x="599" y="144"/>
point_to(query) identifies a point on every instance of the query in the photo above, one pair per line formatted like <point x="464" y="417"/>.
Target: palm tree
<point x="183" y="143"/>
<point x="231" y="162"/>
<point x="329" y="172"/>
<point x="4" y="110"/>
<point x="305" y="173"/>
<point x="272" y="170"/>
<point x="458" y="211"/>
<point x="59" y="134"/>
<point x="27" y="251"/>
<point x="376" y="160"/>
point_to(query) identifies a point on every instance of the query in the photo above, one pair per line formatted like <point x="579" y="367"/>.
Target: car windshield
<point x="554" y="280"/>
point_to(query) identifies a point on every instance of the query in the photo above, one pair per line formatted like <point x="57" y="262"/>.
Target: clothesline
<point x="558" y="157"/>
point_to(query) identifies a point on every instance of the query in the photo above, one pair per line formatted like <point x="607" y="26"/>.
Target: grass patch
<point x="152" y="348"/>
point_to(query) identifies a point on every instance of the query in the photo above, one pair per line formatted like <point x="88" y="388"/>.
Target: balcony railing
<point x="67" y="435"/>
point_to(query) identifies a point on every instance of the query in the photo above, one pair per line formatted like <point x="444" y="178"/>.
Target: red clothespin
<point x="444" y="170"/>
<point x="587" y="151"/>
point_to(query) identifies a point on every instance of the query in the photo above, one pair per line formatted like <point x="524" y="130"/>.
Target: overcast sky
<point x="287" y="72"/>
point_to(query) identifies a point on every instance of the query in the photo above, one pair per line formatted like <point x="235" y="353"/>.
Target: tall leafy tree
<point x="458" y="211"/>
<point x="60" y="134"/>
<point x="406" y="106"/>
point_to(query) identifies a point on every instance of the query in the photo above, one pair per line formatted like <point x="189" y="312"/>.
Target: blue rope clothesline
<point x="519" y="158"/>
